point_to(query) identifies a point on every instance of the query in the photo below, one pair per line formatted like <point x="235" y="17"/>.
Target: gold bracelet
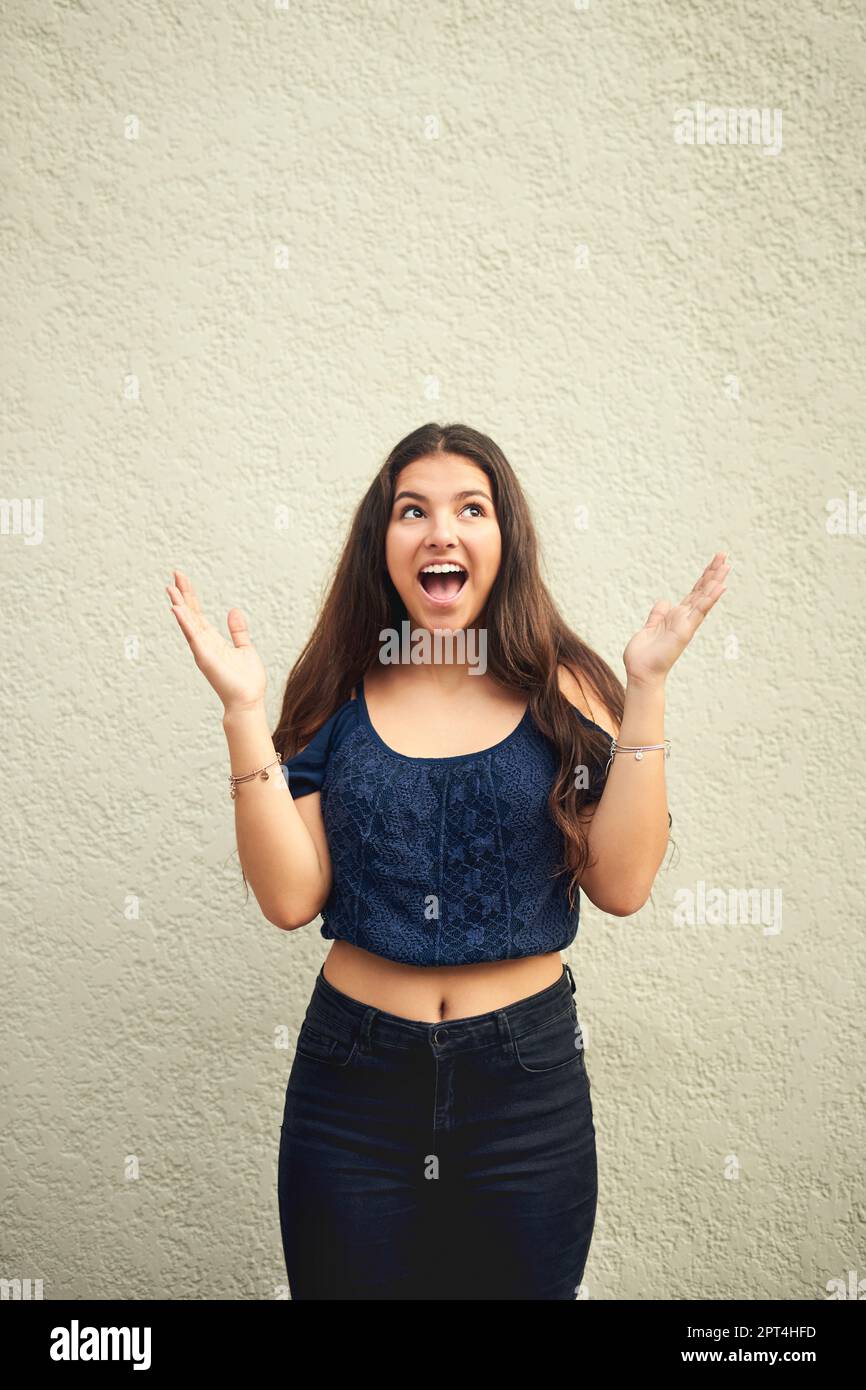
<point x="249" y="776"/>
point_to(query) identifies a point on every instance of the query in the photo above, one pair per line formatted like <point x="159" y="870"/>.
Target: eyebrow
<point x="458" y="496"/>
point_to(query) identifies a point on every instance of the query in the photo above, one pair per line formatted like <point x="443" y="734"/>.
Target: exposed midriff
<point x="432" y="993"/>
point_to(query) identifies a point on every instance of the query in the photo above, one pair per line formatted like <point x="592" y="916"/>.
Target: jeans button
<point x="440" y="1035"/>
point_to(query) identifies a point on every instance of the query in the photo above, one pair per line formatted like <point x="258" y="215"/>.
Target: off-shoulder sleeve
<point x="305" y="772"/>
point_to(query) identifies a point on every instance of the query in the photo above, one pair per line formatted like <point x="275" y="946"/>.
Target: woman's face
<point x="443" y="514"/>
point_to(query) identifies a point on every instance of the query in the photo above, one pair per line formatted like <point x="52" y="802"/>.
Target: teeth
<point x="443" y="569"/>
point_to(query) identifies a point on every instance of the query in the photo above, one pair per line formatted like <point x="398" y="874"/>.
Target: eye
<point x="413" y="507"/>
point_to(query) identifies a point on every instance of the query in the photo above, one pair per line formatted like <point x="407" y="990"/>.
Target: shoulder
<point x="305" y="770"/>
<point x="587" y="701"/>
<point x="335" y="728"/>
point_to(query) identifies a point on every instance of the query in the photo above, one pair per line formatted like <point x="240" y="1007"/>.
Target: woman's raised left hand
<point x="651" y="653"/>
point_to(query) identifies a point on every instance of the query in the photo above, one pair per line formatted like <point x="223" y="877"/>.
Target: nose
<point x="441" y="530"/>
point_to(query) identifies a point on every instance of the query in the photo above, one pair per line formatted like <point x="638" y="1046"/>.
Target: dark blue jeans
<point x="451" y="1160"/>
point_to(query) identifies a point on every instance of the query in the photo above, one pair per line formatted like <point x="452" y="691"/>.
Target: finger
<point x="237" y="625"/>
<point x="189" y="594"/>
<point x="716" y="571"/>
<point x="177" y="600"/>
<point x="702" y="603"/>
<point x="658" y="611"/>
<point x="194" y="625"/>
<point x="185" y="621"/>
<point x="717" y="561"/>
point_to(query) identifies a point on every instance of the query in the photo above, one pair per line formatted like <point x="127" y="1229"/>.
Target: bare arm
<point x="628" y="830"/>
<point x="281" y="842"/>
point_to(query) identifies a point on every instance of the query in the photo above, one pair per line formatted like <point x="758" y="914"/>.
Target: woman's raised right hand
<point x="235" y="671"/>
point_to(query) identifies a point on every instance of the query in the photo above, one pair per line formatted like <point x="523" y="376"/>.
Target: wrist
<point x="234" y="715"/>
<point x="650" y="683"/>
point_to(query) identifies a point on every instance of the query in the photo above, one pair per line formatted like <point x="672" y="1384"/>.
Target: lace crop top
<point x="439" y="861"/>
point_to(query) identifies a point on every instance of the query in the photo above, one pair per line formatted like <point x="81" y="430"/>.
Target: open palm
<point x="234" y="668"/>
<point x="652" y="651"/>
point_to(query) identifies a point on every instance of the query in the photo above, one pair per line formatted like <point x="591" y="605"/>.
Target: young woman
<point x="437" y="1138"/>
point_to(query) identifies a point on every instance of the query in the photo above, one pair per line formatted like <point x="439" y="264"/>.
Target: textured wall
<point x="246" y="249"/>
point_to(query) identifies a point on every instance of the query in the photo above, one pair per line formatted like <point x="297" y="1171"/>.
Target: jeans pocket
<point x="321" y="1041"/>
<point x="554" y="1044"/>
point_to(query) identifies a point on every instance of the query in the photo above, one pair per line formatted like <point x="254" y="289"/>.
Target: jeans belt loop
<point x="571" y="977"/>
<point x="504" y="1032"/>
<point x="364" y="1043"/>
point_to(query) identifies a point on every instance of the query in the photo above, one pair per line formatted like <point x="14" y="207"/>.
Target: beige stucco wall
<point x="246" y="249"/>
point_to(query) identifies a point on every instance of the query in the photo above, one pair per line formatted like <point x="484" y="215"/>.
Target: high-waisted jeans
<point x="450" y="1160"/>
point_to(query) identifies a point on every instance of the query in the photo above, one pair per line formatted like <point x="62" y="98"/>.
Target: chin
<point x="454" y="622"/>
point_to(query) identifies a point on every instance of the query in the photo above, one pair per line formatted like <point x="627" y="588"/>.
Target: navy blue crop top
<point x="440" y="861"/>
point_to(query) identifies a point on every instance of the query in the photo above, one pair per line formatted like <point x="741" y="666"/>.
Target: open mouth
<point x="443" y="582"/>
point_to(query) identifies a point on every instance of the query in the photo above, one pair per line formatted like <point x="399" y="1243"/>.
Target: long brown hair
<point x="527" y="639"/>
